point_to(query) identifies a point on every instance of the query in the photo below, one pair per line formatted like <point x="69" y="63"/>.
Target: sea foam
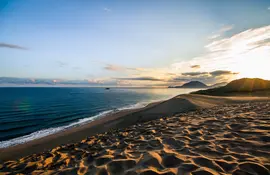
<point x="50" y="131"/>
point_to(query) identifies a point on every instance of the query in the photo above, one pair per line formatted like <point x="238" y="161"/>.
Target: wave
<point x="50" y="131"/>
<point x="134" y="106"/>
<point x="12" y="128"/>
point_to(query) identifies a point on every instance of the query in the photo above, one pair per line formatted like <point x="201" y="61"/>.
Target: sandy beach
<point x="188" y="134"/>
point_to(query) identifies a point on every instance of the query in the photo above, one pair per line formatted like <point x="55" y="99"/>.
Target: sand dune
<point x="176" y="105"/>
<point x="228" y="139"/>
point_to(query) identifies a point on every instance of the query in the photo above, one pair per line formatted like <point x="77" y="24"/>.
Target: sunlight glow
<point x="254" y="64"/>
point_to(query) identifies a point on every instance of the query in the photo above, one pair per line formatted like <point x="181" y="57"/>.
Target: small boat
<point x="107" y="88"/>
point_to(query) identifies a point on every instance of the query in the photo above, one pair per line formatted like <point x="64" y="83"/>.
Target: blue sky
<point x="123" y="41"/>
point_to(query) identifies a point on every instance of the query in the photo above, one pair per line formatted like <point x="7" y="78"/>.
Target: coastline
<point x="83" y="121"/>
<point x="122" y="119"/>
<point x="69" y="135"/>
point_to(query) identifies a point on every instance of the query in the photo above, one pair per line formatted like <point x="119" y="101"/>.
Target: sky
<point x="135" y="42"/>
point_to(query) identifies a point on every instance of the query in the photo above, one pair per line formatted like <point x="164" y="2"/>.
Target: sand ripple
<point x="231" y="139"/>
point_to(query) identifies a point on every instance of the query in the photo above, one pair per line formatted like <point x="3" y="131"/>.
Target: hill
<point x="218" y="85"/>
<point x="191" y="84"/>
<point x="252" y="86"/>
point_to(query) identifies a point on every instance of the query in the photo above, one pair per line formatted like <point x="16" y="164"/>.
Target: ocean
<point x="28" y="113"/>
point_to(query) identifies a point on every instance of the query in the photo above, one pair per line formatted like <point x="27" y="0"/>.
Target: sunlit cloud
<point x="214" y="36"/>
<point x="119" y="68"/>
<point x="140" y="79"/>
<point x="226" y="28"/>
<point x="221" y="31"/>
<point x="112" y="67"/>
<point x="12" y="46"/>
<point x="246" y="54"/>
<point x="194" y="73"/>
<point x="173" y="79"/>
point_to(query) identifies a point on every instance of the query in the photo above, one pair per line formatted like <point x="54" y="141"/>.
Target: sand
<point x="222" y="135"/>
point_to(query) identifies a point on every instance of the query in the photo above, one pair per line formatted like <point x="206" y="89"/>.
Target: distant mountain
<point x="244" y="85"/>
<point x="191" y="84"/>
<point x="218" y="85"/>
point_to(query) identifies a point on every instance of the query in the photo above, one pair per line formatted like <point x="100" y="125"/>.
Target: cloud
<point x="241" y="42"/>
<point x="195" y="66"/>
<point x="76" y="67"/>
<point x="107" y="9"/>
<point x="223" y="72"/>
<point x="268" y="8"/>
<point x="221" y="31"/>
<point x="171" y="74"/>
<point x="112" y="67"/>
<point x="61" y="63"/>
<point x="226" y="28"/>
<point x="247" y="52"/>
<point x="206" y="77"/>
<point x="213" y="73"/>
<point x="214" y="36"/>
<point x="52" y="82"/>
<point x="244" y="54"/>
<point x="12" y="46"/>
<point x="141" y="79"/>
<point x="194" y="73"/>
<point x="179" y="78"/>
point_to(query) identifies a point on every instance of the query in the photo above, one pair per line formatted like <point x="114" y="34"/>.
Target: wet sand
<point x="223" y="135"/>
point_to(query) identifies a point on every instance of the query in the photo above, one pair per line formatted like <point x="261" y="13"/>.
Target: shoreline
<point x="83" y="121"/>
<point x="121" y="119"/>
<point x="69" y="135"/>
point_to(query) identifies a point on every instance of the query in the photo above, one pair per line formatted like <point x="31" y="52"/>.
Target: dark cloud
<point x="205" y="77"/>
<point x="195" y="66"/>
<point x="141" y="79"/>
<point x="179" y="79"/>
<point x="185" y="78"/>
<point x="214" y="73"/>
<point x="194" y="73"/>
<point x="12" y="46"/>
<point x="222" y="72"/>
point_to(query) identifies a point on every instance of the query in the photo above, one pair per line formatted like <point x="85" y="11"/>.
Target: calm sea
<point x="29" y="113"/>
